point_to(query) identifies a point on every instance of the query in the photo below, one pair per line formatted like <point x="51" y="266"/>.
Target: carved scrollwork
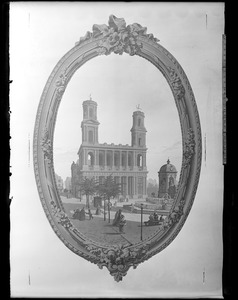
<point x="61" y="84"/>
<point x="60" y="216"/>
<point x="117" y="37"/>
<point x="118" y="259"/>
<point x="174" y="215"/>
<point x="46" y="147"/>
<point x="189" y="148"/>
<point x="176" y="83"/>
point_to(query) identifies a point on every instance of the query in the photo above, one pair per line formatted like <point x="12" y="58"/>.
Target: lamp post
<point x="109" y="210"/>
<point x="141" y="220"/>
<point x="104" y="210"/>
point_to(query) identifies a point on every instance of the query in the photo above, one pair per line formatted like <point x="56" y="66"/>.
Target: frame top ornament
<point x="117" y="37"/>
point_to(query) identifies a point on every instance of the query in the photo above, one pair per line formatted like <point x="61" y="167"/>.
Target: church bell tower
<point x="138" y="131"/>
<point x="90" y="123"/>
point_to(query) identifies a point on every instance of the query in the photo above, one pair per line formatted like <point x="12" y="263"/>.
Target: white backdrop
<point x="40" y="34"/>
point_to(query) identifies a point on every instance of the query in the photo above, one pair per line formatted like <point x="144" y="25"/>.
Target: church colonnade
<point x="113" y="158"/>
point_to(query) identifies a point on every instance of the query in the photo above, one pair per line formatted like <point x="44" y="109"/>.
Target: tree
<point x="109" y="189"/>
<point x="88" y="186"/>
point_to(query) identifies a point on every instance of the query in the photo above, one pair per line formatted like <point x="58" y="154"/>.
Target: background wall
<point x="40" y="34"/>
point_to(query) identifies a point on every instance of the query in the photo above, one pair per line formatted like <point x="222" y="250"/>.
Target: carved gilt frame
<point x="103" y="40"/>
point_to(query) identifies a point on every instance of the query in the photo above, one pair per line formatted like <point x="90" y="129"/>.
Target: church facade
<point x="126" y="163"/>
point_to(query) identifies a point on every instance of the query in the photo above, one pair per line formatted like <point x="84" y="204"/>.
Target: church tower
<point x="138" y="131"/>
<point x="90" y="123"/>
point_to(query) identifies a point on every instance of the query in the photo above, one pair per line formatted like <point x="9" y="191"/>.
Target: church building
<point x="126" y="163"/>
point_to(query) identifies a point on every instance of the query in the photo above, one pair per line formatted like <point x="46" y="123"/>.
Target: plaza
<point x="102" y="231"/>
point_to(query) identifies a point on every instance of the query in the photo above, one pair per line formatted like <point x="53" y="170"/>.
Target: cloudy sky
<point x="40" y="34"/>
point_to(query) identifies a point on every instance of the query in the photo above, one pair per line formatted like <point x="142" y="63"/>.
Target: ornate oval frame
<point x="103" y="40"/>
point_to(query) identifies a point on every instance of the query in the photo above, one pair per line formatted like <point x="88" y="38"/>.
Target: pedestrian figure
<point x="132" y="207"/>
<point x="90" y="214"/>
<point x="116" y="220"/>
<point x="98" y="210"/>
<point x="155" y="216"/>
<point x="82" y="214"/>
<point x="76" y="214"/>
<point x="122" y="223"/>
<point x="151" y="217"/>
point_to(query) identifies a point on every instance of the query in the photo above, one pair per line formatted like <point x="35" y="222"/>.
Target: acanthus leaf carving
<point x="61" y="85"/>
<point x="118" y="259"/>
<point x="117" y="37"/>
<point x="46" y="147"/>
<point x="176" y="83"/>
<point x="60" y="216"/>
<point x="189" y="148"/>
<point x="174" y="215"/>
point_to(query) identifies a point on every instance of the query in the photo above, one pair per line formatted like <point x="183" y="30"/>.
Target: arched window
<point x="90" y="137"/>
<point x="90" y="159"/>
<point x="139" y="160"/>
<point x="139" y="122"/>
<point x="171" y="181"/>
<point x="139" y="141"/>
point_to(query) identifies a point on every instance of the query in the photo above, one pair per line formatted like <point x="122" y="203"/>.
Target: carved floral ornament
<point x="118" y="38"/>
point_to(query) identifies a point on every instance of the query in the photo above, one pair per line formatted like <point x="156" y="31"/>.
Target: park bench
<point x="152" y="222"/>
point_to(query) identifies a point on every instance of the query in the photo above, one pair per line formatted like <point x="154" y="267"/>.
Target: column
<point x="119" y="181"/>
<point x="126" y="181"/>
<point x="105" y="158"/>
<point x="96" y="135"/>
<point x="135" y="185"/>
<point x="113" y="162"/>
<point x="85" y="157"/>
<point x="144" y="192"/>
<point x="132" y="186"/>
<point x="97" y="158"/>
<point x="144" y="160"/>
<point x="85" y="134"/>
<point x="126" y="159"/>
<point x="119" y="159"/>
<point x="122" y="186"/>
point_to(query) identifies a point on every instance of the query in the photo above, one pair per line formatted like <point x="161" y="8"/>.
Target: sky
<point x="40" y="34"/>
<point x="118" y="84"/>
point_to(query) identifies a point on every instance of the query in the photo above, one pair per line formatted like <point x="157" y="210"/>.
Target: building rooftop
<point x="167" y="168"/>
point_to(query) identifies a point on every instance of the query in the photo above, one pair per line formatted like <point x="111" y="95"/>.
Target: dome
<point x="168" y="168"/>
